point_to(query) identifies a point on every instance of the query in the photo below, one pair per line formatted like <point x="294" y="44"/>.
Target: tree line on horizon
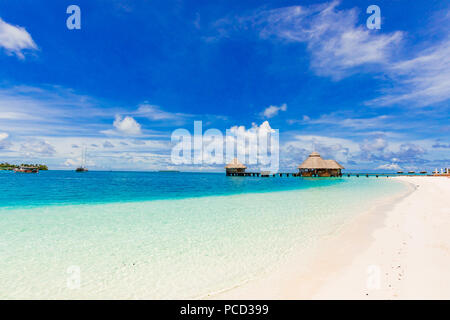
<point x="8" y="166"/>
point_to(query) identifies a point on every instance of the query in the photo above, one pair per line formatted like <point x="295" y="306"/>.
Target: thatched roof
<point x="333" y="164"/>
<point x="235" y="164"/>
<point x="315" y="161"/>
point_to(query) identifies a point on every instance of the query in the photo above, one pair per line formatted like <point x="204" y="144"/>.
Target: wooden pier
<point x="296" y="174"/>
<point x="263" y="174"/>
<point x="313" y="167"/>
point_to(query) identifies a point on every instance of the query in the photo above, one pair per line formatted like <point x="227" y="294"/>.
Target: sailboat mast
<point x="84" y="157"/>
<point x="82" y="167"/>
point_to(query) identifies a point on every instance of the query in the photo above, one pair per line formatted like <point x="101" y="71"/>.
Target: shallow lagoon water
<point x="164" y="235"/>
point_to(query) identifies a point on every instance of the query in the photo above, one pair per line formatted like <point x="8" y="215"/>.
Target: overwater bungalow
<point x="235" y="167"/>
<point x="315" y="166"/>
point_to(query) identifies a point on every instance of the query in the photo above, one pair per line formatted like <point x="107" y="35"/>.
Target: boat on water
<point x="411" y="172"/>
<point x="399" y="172"/>
<point x="26" y="170"/>
<point x="423" y="172"/>
<point x="82" y="167"/>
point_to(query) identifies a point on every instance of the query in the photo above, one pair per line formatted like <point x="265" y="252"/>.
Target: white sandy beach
<point x="401" y="251"/>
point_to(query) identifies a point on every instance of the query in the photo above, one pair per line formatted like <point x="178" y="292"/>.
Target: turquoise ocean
<point x="162" y="235"/>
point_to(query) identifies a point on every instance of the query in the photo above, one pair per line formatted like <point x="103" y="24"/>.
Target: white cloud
<point x="155" y="113"/>
<point x="263" y="128"/>
<point x="340" y="45"/>
<point x="380" y="150"/>
<point x="247" y="141"/>
<point x="3" y="136"/>
<point x="108" y="144"/>
<point x="337" y="44"/>
<point x="298" y="147"/>
<point x="422" y="80"/>
<point x="375" y="145"/>
<point x="389" y="166"/>
<point x="305" y="119"/>
<point x="127" y="125"/>
<point x="354" y="123"/>
<point x="272" y="111"/>
<point x="37" y="147"/>
<point x="33" y="111"/>
<point x="71" y="162"/>
<point x="4" y="144"/>
<point x="15" y="39"/>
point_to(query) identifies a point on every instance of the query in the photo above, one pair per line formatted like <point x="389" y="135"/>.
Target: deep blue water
<point x="69" y="187"/>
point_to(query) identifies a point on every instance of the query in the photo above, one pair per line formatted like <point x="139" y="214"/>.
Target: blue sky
<point x="137" y="70"/>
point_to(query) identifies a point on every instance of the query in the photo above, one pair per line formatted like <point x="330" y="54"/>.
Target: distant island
<point x="8" y="166"/>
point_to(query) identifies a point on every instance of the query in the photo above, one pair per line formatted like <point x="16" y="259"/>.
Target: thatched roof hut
<point x="235" y="164"/>
<point x="235" y="167"/>
<point x="314" y="161"/>
<point x="314" y="165"/>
